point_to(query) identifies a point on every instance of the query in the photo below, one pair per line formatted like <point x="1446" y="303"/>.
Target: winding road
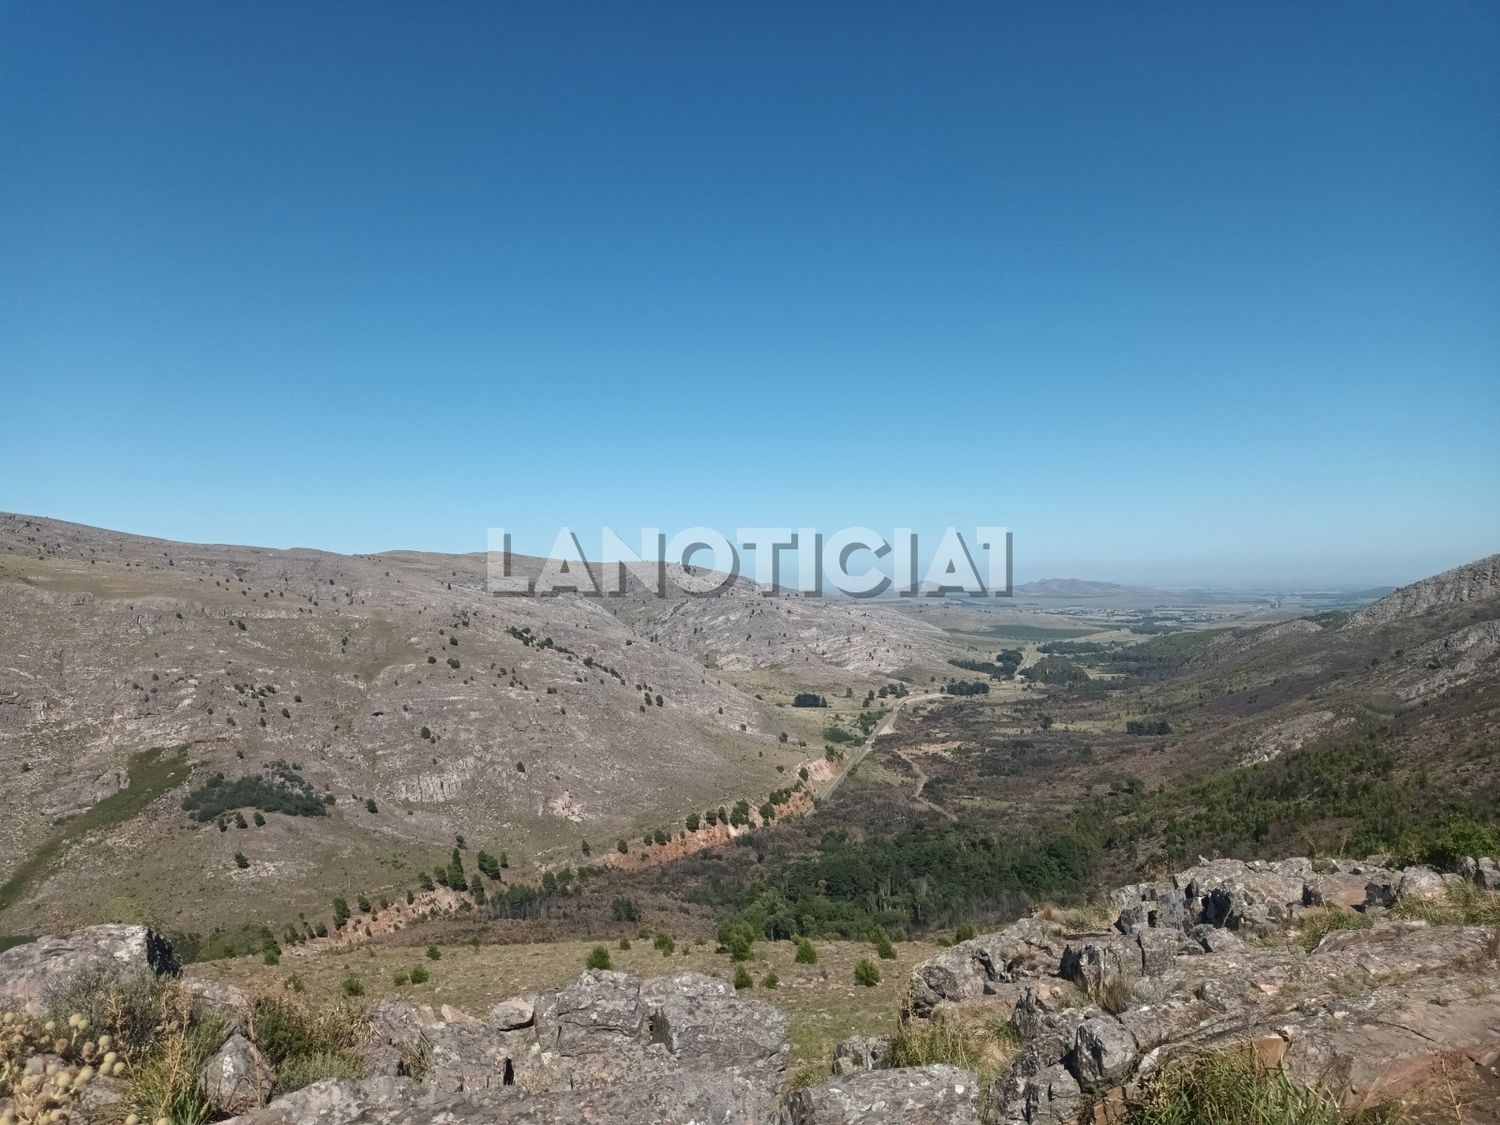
<point x="865" y="747"/>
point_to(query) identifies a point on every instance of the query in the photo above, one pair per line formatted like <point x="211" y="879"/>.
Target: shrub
<point x="434" y="953"/>
<point x="370" y="805"/>
<point x="866" y="973"/>
<point x="352" y="986"/>
<point x="883" y="947"/>
<point x="665" y="945"/>
<point x="742" y="979"/>
<point x="624" y="943"/>
<point x="598" y="958"/>
<point x="770" y="980"/>
<point x="964" y="932"/>
<point x="419" y="974"/>
<point x="807" y="953"/>
<point x="399" y="978"/>
<point x="240" y="861"/>
<point x="625" y="909"/>
<point x="736" y="938"/>
<point x="306" y="1045"/>
<point x="278" y="788"/>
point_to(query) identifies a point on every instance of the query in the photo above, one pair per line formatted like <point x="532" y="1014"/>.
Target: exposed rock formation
<point x="1371" y="1012"/>
<point x="1475" y="581"/>
<point x="29" y="973"/>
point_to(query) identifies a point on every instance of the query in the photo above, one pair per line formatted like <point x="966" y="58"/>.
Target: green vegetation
<point x="1345" y="797"/>
<point x="598" y="958"/>
<point x="1233" y="1087"/>
<point x="742" y="978"/>
<point x="866" y="974"/>
<point x="152" y="774"/>
<point x="1318" y="924"/>
<point x="1004" y="669"/>
<point x="914" y="880"/>
<point x="1055" y="670"/>
<point x="808" y="699"/>
<point x="279" y="788"/>
<point x="966" y="687"/>
<point x="1156" y="727"/>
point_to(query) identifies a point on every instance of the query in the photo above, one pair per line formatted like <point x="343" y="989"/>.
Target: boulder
<point x="1150" y="906"/>
<point x="30" y="974"/>
<point x="608" y="1047"/>
<point x="1421" y="884"/>
<point x="1104" y="1053"/>
<point x="860" y="1052"/>
<point x="508" y="1015"/>
<point x="237" y="1078"/>
<point x="1487" y="873"/>
<point x="212" y="999"/>
<point x="922" y="1095"/>
<point x="973" y="969"/>
<point x="1035" y="1093"/>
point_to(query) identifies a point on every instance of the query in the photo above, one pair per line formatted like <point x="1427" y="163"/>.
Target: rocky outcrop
<point x="860" y="1052"/>
<point x="1475" y="581"/>
<point x="926" y="1095"/>
<point x="30" y="974"/>
<point x="1374" y="1010"/>
<point x="237" y="1077"/>
<point x="607" y="1048"/>
<point x="983" y="966"/>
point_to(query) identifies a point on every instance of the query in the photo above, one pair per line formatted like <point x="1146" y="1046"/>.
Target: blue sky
<point x="1173" y="291"/>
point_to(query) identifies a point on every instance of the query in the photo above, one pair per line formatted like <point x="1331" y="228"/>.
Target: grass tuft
<point x="1234" y="1087"/>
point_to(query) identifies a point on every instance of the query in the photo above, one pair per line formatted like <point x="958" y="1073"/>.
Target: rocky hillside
<point x="1335" y="985"/>
<point x="134" y="670"/>
<point x="1474" y="582"/>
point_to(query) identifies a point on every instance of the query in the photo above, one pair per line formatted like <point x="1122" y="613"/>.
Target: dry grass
<point x="822" y="1003"/>
<point x="1234" y="1087"/>
<point x="1465" y="905"/>
<point x="1318" y="924"/>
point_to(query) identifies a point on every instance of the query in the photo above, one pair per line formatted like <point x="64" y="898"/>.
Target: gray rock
<point x="1487" y="873"/>
<point x="214" y="999"/>
<point x="1150" y="906"/>
<point x="237" y="1078"/>
<point x="1104" y="1053"/>
<point x="1380" y="894"/>
<point x="973" y="969"/>
<point x="924" y="1095"/>
<point x="860" y="1052"/>
<point x="31" y="973"/>
<point x="1421" y="884"/>
<point x="724" y="1034"/>
<point x="1216" y="940"/>
<point x="508" y="1015"/>
<point x="1033" y="1093"/>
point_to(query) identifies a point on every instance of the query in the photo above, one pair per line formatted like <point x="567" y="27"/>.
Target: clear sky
<point x="1175" y="291"/>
